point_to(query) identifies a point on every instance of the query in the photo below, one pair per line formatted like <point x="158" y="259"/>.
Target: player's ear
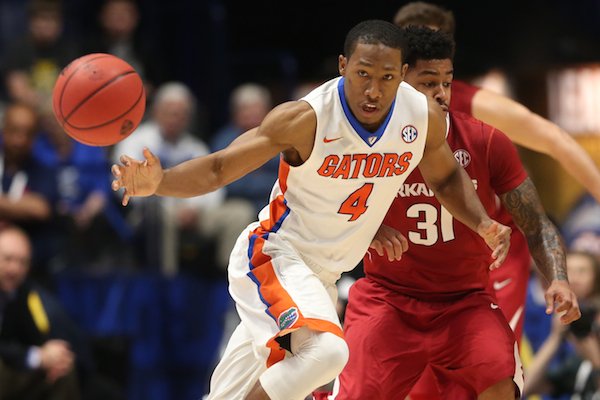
<point x="342" y="62"/>
<point x="403" y="70"/>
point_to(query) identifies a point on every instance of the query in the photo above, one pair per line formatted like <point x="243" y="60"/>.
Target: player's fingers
<point x="125" y="160"/>
<point x="549" y="297"/>
<point x="388" y="246"/>
<point x="116" y="171"/>
<point x="573" y="314"/>
<point x="115" y="185"/>
<point x="376" y="244"/>
<point x="404" y="242"/>
<point x="149" y="156"/>
<point x="125" y="198"/>
<point x="397" y="248"/>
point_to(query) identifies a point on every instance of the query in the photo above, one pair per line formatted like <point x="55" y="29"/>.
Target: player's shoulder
<point x="466" y="123"/>
<point x="461" y="87"/>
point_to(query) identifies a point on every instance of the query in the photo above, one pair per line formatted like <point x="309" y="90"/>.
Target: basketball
<point x="99" y="99"/>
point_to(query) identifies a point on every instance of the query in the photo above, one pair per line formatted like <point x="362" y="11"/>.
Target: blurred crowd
<point x="102" y="301"/>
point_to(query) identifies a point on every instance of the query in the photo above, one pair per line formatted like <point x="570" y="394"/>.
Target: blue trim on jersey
<point x="362" y="132"/>
<point x="251" y="243"/>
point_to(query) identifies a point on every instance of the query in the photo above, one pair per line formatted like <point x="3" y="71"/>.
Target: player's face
<point x="580" y="271"/>
<point x="372" y="75"/>
<point x="433" y="78"/>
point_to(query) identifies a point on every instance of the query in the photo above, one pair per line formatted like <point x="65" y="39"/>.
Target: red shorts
<point x="392" y="338"/>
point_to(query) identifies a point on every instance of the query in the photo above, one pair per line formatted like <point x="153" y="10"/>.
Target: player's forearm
<point x="191" y="178"/>
<point x="577" y="162"/>
<point x="457" y="194"/>
<point x="536" y="133"/>
<point x="543" y="238"/>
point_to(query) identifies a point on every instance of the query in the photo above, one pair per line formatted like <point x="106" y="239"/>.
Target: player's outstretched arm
<point x="289" y="128"/>
<point x="454" y="189"/>
<point x="545" y="246"/>
<point x="530" y="130"/>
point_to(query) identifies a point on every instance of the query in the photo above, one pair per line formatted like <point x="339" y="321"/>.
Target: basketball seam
<point x="112" y="120"/>
<point x="62" y="92"/>
<point x="89" y="96"/>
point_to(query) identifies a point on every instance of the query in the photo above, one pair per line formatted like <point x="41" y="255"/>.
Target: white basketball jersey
<point x="330" y="207"/>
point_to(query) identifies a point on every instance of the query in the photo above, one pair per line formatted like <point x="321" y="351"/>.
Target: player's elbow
<point x="216" y="177"/>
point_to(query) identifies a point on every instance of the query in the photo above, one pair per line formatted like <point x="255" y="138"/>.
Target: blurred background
<point x="141" y="291"/>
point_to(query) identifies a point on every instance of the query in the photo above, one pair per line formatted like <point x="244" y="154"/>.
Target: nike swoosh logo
<point x="498" y="285"/>
<point x="325" y="140"/>
<point x="494" y="306"/>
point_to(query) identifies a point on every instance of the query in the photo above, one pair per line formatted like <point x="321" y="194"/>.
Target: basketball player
<point x="436" y="294"/>
<point x="346" y="149"/>
<point x="524" y="128"/>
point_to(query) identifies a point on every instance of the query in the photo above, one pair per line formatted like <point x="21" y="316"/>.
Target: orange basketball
<point x="99" y="99"/>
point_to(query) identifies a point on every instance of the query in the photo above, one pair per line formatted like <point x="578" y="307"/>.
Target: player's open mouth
<point x="369" y="108"/>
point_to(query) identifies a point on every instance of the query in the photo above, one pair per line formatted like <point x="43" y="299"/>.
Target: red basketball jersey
<point x="445" y="258"/>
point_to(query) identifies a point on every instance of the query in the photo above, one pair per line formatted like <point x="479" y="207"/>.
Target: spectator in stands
<point x="33" y="63"/>
<point x="180" y="228"/>
<point x="92" y="227"/>
<point x="249" y="104"/>
<point x="119" y="22"/>
<point x="28" y="188"/>
<point x="33" y="364"/>
<point x="579" y="373"/>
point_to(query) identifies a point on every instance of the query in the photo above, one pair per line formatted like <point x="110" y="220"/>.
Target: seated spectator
<point x="28" y="187"/>
<point x="93" y="229"/>
<point x="33" y="364"/>
<point x="172" y="225"/>
<point x="34" y="61"/>
<point x="249" y="104"/>
<point x="577" y="374"/>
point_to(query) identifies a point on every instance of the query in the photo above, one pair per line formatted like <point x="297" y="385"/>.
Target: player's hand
<point x="390" y="241"/>
<point x="561" y="299"/>
<point x="137" y="178"/>
<point x="497" y="237"/>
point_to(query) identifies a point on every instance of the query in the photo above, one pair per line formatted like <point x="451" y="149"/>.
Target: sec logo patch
<point x="409" y="133"/>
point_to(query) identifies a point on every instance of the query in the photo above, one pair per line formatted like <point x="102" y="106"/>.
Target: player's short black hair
<point x="426" y="44"/>
<point x="374" y="31"/>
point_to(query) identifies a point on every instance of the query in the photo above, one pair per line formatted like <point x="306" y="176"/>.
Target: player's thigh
<point x="477" y="349"/>
<point x="386" y="353"/>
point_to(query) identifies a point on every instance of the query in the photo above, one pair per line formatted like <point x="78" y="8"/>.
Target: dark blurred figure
<point x="34" y="364"/>
<point x="249" y="104"/>
<point x="118" y="22"/>
<point x="33" y="63"/>
<point x="93" y="230"/>
<point x="29" y="189"/>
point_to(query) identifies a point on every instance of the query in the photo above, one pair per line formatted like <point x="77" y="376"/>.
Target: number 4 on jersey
<point x="356" y="204"/>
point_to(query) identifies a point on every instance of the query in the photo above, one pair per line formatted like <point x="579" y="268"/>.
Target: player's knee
<point x="324" y="350"/>
<point x="335" y="352"/>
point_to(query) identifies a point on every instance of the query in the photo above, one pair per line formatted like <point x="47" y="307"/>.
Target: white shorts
<point x="275" y="294"/>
